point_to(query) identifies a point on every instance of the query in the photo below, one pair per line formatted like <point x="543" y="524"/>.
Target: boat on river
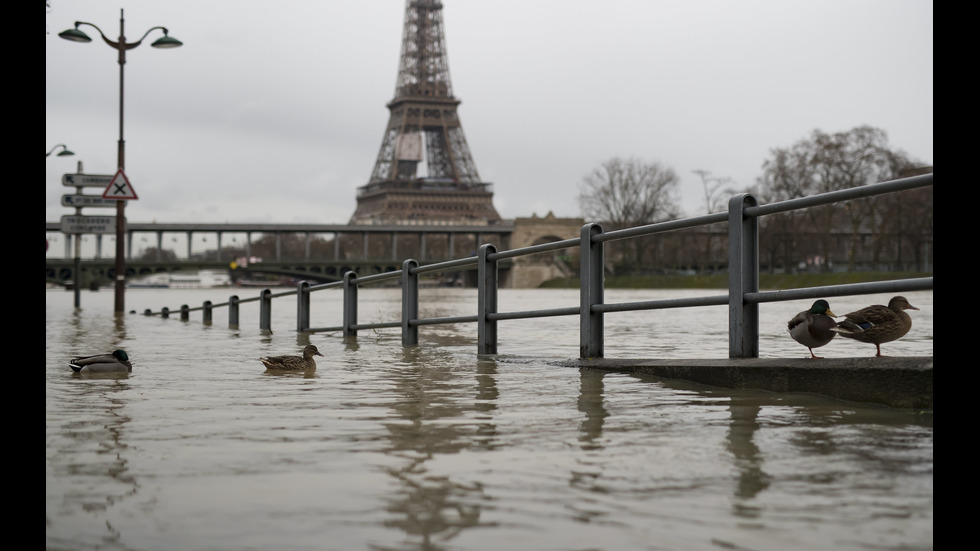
<point x="201" y="279"/>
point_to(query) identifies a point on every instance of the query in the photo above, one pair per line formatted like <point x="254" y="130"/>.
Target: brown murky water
<point x="428" y="448"/>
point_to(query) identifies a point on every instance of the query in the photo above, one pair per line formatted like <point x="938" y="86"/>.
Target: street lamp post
<point x="121" y="45"/>
<point x="65" y="152"/>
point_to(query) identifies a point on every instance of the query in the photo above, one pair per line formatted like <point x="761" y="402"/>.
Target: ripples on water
<point x="427" y="448"/>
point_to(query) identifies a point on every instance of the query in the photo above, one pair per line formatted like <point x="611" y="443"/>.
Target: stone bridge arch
<point x="531" y="271"/>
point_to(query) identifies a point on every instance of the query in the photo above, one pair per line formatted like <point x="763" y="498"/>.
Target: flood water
<point x="424" y="448"/>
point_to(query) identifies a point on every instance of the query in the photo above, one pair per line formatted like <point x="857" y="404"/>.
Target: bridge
<point x="364" y="249"/>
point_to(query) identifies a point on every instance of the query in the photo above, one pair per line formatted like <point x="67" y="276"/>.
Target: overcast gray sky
<point x="273" y="112"/>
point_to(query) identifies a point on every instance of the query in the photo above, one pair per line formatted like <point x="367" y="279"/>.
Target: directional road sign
<point x="88" y="224"/>
<point x="119" y="188"/>
<point x="86" y="201"/>
<point x="86" y="180"/>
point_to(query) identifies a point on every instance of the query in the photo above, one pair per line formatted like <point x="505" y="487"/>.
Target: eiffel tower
<point x="424" y="125"/>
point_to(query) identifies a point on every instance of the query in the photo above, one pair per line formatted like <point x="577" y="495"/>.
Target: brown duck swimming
<point x="812" y="328"/>
<point x="116" y="362"/>
<point x="293" y="363"/>
<point x="878" y="324"/>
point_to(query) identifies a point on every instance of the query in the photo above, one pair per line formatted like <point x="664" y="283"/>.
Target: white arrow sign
<point x="119" y="188"/>
<point x="88" y="224"/>
<point x="86" y="201"/>
<point x="86" y="180"/>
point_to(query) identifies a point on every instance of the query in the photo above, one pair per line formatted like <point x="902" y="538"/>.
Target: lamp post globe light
<point x="75" y="35"/>
<point x="65" y="152"/>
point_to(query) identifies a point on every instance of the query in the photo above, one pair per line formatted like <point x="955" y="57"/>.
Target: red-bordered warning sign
<point x="119" y="188"/>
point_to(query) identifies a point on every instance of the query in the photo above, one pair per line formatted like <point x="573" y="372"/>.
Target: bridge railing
<point x="743" y="297"/>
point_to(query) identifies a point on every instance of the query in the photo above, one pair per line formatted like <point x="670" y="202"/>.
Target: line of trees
<point x="886" y="232"/>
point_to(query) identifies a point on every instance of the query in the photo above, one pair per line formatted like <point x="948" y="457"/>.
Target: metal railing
<point x="743" y="296"/>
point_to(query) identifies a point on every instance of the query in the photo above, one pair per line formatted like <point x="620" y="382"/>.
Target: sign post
<point x="116" y="191"/>
<point x="120" y="189"/>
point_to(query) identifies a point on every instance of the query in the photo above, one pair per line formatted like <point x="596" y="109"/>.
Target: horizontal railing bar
<point x="323" y="329"/>
<point x="662" y="227"/>
<point x="450" y="319"/>
<point x="378" y="325"/>
<point x="441" y="266"/>
<point x="844" y="289"/>
<point x="374" y="278"/>
<point x="533" y="249"/>
<point x="570" y="311"/>
<point x="328" y="285"/>
<point x="660" y="304"/>
<point x="891" y="186"/>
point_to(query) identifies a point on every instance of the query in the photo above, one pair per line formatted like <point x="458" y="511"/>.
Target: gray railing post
<point x="233" y="301"/>
<point x="743" y="277"/>
<point x="486" y="281"/>
<point x="410" y="302"/>
<point x="350" y="304"/>
<point x="206" y="310"/>
<point x="591" y="292"/>
<point x="165" y="312"/>
<point x="185" y="312"/>
<point x="265" y="309"/>
<point x="302" y="306"/>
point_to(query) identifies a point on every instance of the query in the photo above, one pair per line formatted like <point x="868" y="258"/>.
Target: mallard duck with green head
<point x="293" y="363"/>
<point x="115" y="362"/>
<point x="813" y="328"/>
<point x="877" y="324"/>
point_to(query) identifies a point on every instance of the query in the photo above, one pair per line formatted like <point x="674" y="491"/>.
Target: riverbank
<point x="720" y="280"/>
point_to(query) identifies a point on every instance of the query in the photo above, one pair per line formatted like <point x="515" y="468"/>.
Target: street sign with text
<point x="88" y="224"/>
<point x="86" y="201"/>
<point x="86" y="180"/>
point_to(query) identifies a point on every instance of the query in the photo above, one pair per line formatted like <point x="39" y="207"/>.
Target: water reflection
<point x="97" y="476"/>
<point x="430" y="509"/>
<point x="748" y="460"/>
<point x="591" y="404"/>
<point x="868" y="434"/>
<point x="486" y="405"/>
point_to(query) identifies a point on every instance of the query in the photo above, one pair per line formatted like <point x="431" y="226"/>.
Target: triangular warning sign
<point x="119" y="188"/>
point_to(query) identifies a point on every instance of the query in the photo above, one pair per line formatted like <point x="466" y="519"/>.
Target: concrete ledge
<point x="900" y="382"/>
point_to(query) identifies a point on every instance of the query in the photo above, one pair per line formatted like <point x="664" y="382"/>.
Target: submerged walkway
<point x="900" y="382"/>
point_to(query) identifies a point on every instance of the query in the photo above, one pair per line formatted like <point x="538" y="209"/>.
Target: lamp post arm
<point x="102" y="34"/>
<point x="137" y="43"/>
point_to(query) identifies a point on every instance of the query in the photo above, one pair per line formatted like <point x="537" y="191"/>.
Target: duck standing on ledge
<point x="877" y="324"/>
<point x="117" y="361"/>
<point x="813" y="328"/>
<point x="293" y="363"/>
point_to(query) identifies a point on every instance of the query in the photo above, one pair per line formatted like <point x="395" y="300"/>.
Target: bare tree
<point x="830" y="162"/>
<point x="714" y="194"/>
<point x="714" y="201"/>
<point x="629" y="192"/>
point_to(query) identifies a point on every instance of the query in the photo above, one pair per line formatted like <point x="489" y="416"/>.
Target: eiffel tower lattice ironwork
<point x="423" y="124"/>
